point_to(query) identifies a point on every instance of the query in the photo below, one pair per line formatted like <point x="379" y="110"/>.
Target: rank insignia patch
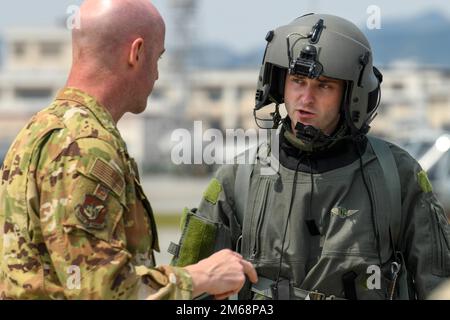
<point x="92" y="213"/>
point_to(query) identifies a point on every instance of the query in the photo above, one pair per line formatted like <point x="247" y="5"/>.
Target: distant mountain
<point x="424" y="38"/>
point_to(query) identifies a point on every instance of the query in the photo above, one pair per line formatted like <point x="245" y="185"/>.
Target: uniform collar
<point x="88" y="101"/>
<point x="339" y="155"/>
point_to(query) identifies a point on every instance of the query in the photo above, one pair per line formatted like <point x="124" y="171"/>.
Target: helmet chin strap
<point x="310" y="134"/>
<point x="310" y="139"/>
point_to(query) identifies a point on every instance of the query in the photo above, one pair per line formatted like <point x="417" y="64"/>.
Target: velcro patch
<point x="108" y="175"/>
<point x="183" y="218"/>
<point x="212" y="192"/>
<point x="424" y="182"/>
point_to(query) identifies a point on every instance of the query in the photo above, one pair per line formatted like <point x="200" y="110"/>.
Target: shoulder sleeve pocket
<point x="98" y="201"/>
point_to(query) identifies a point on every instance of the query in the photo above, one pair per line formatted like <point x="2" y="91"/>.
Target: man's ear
<point x="136" y="52"/>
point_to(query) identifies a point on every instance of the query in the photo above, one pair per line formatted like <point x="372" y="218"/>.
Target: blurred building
<point x="223" y="98"/>
<point x="415" y="101"/>
<point x="36" y="64"/>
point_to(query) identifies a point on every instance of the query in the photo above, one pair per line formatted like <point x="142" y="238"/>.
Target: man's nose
<point x="308" y="95"/>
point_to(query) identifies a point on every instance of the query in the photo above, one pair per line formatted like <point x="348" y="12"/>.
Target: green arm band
<point x="197" y="240"/>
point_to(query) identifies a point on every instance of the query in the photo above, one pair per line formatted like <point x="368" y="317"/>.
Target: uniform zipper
<point x="261" y="212"/>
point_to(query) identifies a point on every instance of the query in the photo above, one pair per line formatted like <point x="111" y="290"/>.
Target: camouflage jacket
<point x="74" y="221"/>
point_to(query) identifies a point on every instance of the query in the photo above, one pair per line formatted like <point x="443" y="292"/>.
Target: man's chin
<point x="139" y="109"/>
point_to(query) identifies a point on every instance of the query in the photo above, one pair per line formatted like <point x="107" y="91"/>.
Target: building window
<point x="215" y="124"/>
<point x="243" y="92"/>
<point x="240" y="92"/>
<point x="19" y="49"/>
<point x="397" y="86"/>
<point x="50" y="49"/>
<point x="214" y="94"/>
<point x="438" y="99"/>
<point x="33" y="93"/>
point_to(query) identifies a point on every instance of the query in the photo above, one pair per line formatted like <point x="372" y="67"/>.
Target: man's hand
<point x="222" y="274"/>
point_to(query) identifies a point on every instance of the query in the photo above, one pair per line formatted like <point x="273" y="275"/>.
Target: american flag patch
<point x="108" y="175"/>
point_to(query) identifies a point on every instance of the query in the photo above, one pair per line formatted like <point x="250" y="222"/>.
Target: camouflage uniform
<point x="74" y="221"/>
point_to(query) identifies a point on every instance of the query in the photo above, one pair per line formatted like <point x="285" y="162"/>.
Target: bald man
<point x="74" y="220"/>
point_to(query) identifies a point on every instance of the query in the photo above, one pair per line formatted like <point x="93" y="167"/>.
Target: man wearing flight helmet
<point x="346" y="215"/>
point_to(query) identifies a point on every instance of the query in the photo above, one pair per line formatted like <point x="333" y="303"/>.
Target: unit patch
<point x="92" y="213"/>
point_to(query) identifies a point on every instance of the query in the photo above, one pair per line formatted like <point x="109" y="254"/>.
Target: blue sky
<point x="240" y="24"/>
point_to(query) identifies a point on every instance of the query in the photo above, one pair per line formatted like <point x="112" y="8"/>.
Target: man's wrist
<point x="199" y="279"/>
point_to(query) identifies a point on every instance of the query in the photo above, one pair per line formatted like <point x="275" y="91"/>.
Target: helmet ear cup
<point x="372" y="100"/>
<point x="278" y="82"/>
<point x="374" y="96"/>
<point x="272" y="91"/>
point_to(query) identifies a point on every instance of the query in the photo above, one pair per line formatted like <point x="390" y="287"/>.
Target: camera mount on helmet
<point x="306" y="64"/>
